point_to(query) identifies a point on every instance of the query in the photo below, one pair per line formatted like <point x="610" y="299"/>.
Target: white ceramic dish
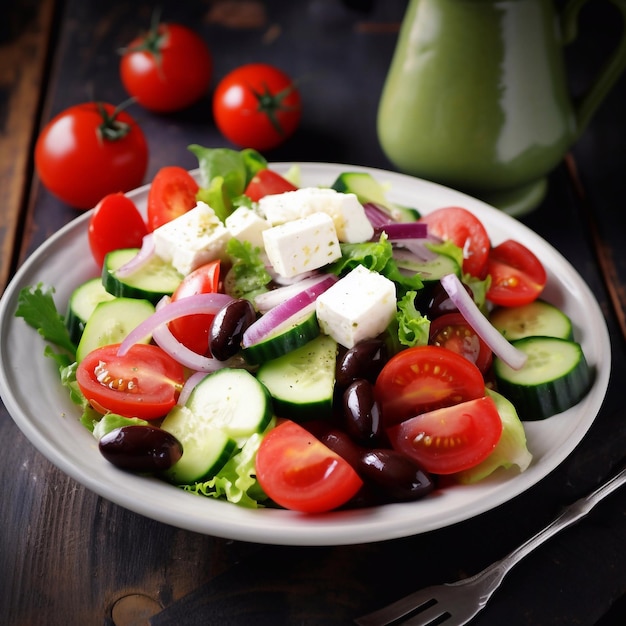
<point x="42" y="410"/>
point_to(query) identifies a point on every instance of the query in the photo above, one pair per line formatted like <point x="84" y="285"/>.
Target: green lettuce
<point x="247" y="277"/>
<point x="413" y="327"/>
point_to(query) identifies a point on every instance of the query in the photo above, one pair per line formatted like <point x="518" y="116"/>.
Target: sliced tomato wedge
<point x="144" y="383"/>
<point x="115" y="223"/>
<point x="267" y="182"/>
<point x="172" y="193"/>
<point x="193" y="330"/>
<point x="464" y="229"/>
<point x="517" y="276"/>
<point x="452" y="439"/>
<point x="452" y="331"/>
<point x="298" y="472"/>
<point x="423" y="378"/>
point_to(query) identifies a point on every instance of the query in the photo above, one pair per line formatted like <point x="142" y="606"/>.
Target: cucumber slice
<point x="555" y="377"/>
<point x="302" y="382"/>
<point x="233" y="401"/>
<point x="367" y="189"/>
<point x="429" y="271"/>
<point x="151" y="282"/>
<point x="205" y="449"/>
<point x="538" y="318"/>
<point x="294" y="333"/>
<point x="81" y="305"/>
<point x="111" y="321"/>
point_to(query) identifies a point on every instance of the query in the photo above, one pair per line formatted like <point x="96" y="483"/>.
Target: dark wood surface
<point x="68" y="557"/>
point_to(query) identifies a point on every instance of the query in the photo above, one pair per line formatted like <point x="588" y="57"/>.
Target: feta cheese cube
<point x="350" y="220"/>
<point x="191" y="240"/>
<point x="359" y="306"/>
<point x="302" y="245"/>
<point x="246" y="225"/>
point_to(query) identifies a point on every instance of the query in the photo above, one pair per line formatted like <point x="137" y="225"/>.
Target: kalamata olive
<point x="361" y="415"/>
<point x="141" y="448"/>
<point x="364" y="360"/>
<point x="440" y="302"/>
<point x="398" y="477"/>
<point x="342" y="444"/>
<point x="228" y="328"/>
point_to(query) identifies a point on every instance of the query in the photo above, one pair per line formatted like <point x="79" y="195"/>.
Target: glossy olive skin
<point x="364" y="360"/>
<point x="228" y="328"/>
<point x="143" y="449"/>
<point x="361" y="415"/>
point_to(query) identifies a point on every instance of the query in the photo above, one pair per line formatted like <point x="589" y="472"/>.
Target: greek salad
<point x="310" y="348"/>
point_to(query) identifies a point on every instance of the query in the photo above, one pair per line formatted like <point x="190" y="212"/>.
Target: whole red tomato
<point x="257" y="106"/>
<point x="168" y="69"/>
<point x="89" y="151"/>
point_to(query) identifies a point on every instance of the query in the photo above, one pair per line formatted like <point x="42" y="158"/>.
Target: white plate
<point x="42" y="410"/>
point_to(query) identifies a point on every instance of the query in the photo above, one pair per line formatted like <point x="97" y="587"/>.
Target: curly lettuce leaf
<point x="413" y="327"/>
<point x="247" y="277"/>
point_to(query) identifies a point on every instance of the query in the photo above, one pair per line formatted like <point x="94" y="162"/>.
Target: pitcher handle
<point x="608" y="73"/>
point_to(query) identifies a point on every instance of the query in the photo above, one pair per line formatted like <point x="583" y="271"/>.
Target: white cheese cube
<point x="191" y="240"/>
<point x="302" y="245"/>
<point x="350" y="220"/>
<point x="359" y="306"/>
<point x="245" y="225"/>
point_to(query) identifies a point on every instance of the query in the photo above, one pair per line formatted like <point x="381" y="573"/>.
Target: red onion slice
<point x="266" y="324"/>
<point x="376" y="215"/>
<point x="499" y="345"/>
<point x="189" y="386"/>
<point x="146" y="252"/>
<point x="269" y="299"/>
<point x="209" y="303"/>
<point x="398" y="231"/>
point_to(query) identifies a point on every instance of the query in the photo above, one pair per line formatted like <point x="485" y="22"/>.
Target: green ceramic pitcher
<point x="476" y="97"/>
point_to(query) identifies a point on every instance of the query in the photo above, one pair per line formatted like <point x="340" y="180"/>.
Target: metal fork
<point x="454" y="604"/>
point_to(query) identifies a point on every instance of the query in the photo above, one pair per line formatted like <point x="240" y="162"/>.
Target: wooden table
<point x="69" y="557"/>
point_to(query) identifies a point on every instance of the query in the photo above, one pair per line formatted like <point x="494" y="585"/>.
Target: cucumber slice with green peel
<point x="205" y="449"/>
<point x="295" y="332"/>
<point x="232" y="401"/>
<point x="302" y="382"/>
<point x="539" y="318"/>
<point x="155" y="279"/>
<point x="81" y="305"/>
<point x="111" y="321"/>
<point x="429" y="271"/>
<point x="556" y="376"/>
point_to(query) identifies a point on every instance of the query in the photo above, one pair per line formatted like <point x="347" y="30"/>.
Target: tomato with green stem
<point x="298" y="472"/>
<point x="90" y="150"/>
<point x="257" y="106"/>
<point x="145" y="382"/>
<point x="167" y="69"/>
<point x="172" y="193"/>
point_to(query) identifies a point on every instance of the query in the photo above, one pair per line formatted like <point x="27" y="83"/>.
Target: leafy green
<point x="36" y="306"/>
<point x="111" y="421"/>
<point x="247" y="276"/>
<point x="413" y="327"/>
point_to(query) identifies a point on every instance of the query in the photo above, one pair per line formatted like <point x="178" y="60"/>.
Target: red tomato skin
<point x="298" y="472"/>
<point x="80" y="166"/>
<point x="239" y="116"/>
<point x="157" y="376"/>
<point x="451" y="439"/>
<point x="172" y="193"/>
<point x="517" y="276"/>
<point x="169" y="75"/>
<point x="463" y="228"/>
<point x="424" y="378"/>
<point x="193" y="330"/>
<point x="265" y="183"/>
<point x="114" y="224"/>
<point x="451" y="331"/>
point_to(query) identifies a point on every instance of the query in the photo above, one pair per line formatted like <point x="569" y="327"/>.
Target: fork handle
<point x="493" y="574"/>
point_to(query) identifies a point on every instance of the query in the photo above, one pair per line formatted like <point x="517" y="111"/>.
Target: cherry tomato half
<point x="424" y="378"/>
<point x="89" y="151"/>
<point x="167" y="69"/>
<point x="464" y="229"/>
<point x="298" y="472"/>
<point x="451" y="439"/>
<point x="266" y="183"/>
<point x="144" y="383"/>
<point x="517" y="276"/>
<point x="452" y="331"/>
<point x="256" y="106"/>
<point x="115" y="223"/>
<point x="172" y="193"/>
<point x="193" y="330"/>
